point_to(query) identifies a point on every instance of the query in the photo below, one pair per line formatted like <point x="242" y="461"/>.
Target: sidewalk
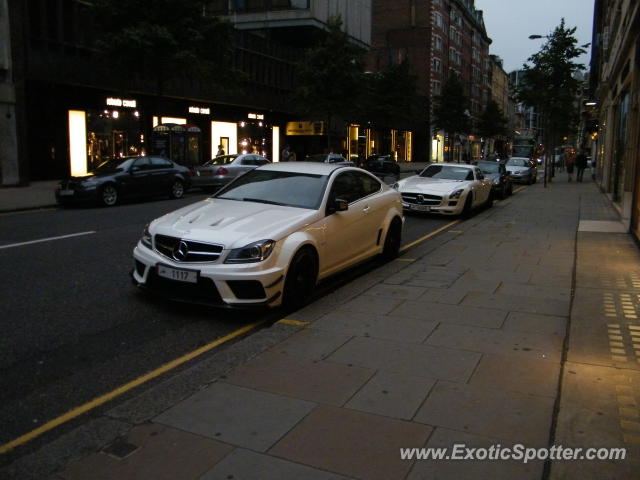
<point x="36" y="195"/>
<point x="519" y="325"/>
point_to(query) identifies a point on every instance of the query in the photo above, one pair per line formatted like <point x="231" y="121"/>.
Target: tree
<point x="451" y="110"/>
<point x="390" y="97"/>
<point x="492" y="122"/>
<point x="161" y="40"/>
<point x="549" y="84"/>
<point x="329" y="77"/>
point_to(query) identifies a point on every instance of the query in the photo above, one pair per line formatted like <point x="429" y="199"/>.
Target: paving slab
<point x="532" y="323"/>
<point x="518" y="303"/>
<point x="524" y="375"/>
<point x="483" y="410"/>
<point x="497" y="341"/>
<point x="544" y="292"/>
<point x="237" y="415"/>
<point x="408" y="358"/>
<point x="450" y="296"/>
<point x="391" y="327"/>
<point x="392" y="288"/>
<point x="352" y="443"/>
<point x="371" y="304"/>
<point x="312" y="343"/>
<point x="151" y="451"/>
<point x="471" y="469"/>
<point x="244" y="464"/>
<point x="456" y="314"/>
<point x="314" y="380"/>
<point x="392" y="395"/>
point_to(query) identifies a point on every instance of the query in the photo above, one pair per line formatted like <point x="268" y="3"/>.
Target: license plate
<point x="420" y="208"/>
<point x="189" y="276"/>
<point x="66" y="193"/>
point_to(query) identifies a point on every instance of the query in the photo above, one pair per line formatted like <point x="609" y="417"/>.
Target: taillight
<point x="222" y="171"/>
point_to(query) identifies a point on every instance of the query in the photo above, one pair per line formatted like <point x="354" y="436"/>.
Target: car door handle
<point x="366" y="209"/>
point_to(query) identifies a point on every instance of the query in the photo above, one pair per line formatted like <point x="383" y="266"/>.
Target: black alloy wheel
<point x="393" y="240"/>
<point x="301" y="278"/>
<point x="466" y="211"/>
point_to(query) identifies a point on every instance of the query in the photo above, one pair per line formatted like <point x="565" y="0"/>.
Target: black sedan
<point x="381" y="164"/>
<point x="497" y="172"/>
<point x="121" y="178"/>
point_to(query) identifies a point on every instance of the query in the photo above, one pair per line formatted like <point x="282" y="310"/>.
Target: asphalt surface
<point x="75" y="328"/>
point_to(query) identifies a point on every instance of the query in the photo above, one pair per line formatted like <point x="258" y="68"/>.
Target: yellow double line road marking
<point x="429" y="235"/>
<point x="96" y="402"/>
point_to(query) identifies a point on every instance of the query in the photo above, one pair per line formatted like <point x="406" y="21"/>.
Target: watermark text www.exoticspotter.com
<point x="517" y="452"/>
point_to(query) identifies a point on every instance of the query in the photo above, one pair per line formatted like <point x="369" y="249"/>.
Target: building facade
<point x="72" y="110"/>
<point x="615" y="86"/>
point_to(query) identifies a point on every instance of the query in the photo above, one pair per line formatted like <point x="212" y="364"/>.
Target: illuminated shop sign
<point x="255" y="116"/>
<point x="121" y="102"/>
<point x="200" y="110"/>
<point x="305" y="128"/>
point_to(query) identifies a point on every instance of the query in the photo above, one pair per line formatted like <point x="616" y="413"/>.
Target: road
<point x="74" y="327"/>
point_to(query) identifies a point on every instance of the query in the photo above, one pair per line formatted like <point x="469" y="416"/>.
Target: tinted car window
<point x="300" y="190"/>
<point x="114" y="164"/>
<point x="518" y="162"/>
<point x="157" y="162"/>
<point x="369" y="185"/>
<point x="261" y="161"/>
<point x="489" y="167"/>
<point x="352" y="186"/>
<point x="223" y="160"/>
<point x="141" y="163"/>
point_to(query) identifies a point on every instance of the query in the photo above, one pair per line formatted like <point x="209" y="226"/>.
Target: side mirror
<point x="341" y="205"/>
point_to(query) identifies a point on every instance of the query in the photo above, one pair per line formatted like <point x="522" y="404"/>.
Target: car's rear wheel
<point x="108" y="195"/>
<point x="393" y="240"/>
<point x="177" y="189"/>
<point x="301" y="278"/>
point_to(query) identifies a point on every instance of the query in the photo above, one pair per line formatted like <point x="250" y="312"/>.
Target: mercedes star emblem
<point x="181" y="251"/>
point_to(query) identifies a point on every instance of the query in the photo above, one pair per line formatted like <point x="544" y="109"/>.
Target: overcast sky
<point x="510" y="22"/>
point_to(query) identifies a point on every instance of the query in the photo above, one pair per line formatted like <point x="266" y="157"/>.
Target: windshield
<point x="292" y="189"/>
<point x="517" y="162"/>
<point x="223" y="160"/>
<point x="447" y="172"/>
<point x="489" y="167"/>
<point x="113" y="164"/>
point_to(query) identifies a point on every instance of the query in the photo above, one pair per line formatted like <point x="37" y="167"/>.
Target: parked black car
<point x="381" y="164"/>
<point x="496" y="171"/>
<point x="119" y="178"/>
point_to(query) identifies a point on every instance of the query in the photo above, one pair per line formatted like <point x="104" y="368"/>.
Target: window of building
<point x="436" y="65"/>
<point x="437" y="20"/>
<point x="436" y="87"/>
<point x="437" y="43"/>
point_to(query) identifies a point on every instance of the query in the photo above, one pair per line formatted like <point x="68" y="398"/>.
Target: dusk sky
<point x="510" y="22"/>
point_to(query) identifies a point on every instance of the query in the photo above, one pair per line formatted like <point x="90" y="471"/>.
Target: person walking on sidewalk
<point x="569" y="163"/>
<point x="581" y="165"/>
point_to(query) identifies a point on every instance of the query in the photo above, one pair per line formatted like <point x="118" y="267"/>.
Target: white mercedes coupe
<point x="269" y="236"/>
<point x="446" y="188"/>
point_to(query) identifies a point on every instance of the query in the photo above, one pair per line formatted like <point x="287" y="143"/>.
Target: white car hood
<point x="232" y="223"/>
<point x="418" y="184"/>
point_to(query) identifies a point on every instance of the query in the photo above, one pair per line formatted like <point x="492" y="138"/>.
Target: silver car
<point x="522" y="170"/>
<point x="219" y="171"/>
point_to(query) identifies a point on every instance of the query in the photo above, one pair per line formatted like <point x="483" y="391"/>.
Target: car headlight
<point x="146" y="237"/>
<point x="89" y="182"/>
<point x="254" y="252"/>
<point x="456" y="193"/>
<point x="496" y="181"/>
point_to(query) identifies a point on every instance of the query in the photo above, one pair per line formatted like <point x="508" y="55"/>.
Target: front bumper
<point x="450" y="207"/>
<point x="218" y="284"/>
<point x="78" y="195"/>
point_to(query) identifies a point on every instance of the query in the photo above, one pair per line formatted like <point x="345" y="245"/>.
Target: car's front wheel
<point x="393" y="240"/>
<point x="301" y="278"/>
<point x="177" y="189"/>
<point x="108" y="195"/>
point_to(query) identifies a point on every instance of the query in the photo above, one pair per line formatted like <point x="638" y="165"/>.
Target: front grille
<point x="426" y="199"/>
<point x="204" y="291"/>
<point x="187" y="251"/>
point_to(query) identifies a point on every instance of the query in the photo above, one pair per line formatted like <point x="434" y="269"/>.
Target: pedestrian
<point x="569" y="164"/>
<point x="581" y="165"/>
<point x="286" y="153"/>
<point x="220" y="151"/>
<point x="292" y="156"/>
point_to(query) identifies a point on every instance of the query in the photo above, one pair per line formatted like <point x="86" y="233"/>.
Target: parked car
<point x="381" y="164"/>
<point x="446" y="188"/>
<point x="266" y="238"/>
<point x="522" y="170"/>
<point x="497" y="172"/>
<point x="120" y="178"/>
<point x="219" y="171"/>
<point x="334" y="158"/>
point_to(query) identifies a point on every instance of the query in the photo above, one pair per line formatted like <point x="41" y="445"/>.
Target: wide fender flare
<point x="391" y="214"/>
<point x="295" y="242"/>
